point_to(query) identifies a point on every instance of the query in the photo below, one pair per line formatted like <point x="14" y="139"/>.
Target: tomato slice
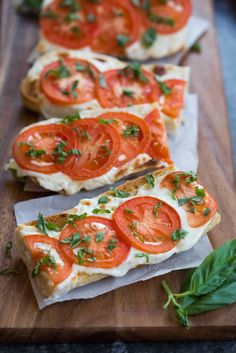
<point x="123" y="89"/>
<point x="68" y="81"/>
<point x="170" y="16"/>
<point x="118" y="27"/>
<point x="37" y="148"/>
<point x="148" y="225"/>
<point x="174" y="102"/>
<point x="199" y="210"/>
<point x="99" y="147"/>
<point x="93" y="242"/>
<point x="134" y="133"/>
<point x="70" y="24"/>
<point x="63" y="268"/>
<point x="158" y="146"/>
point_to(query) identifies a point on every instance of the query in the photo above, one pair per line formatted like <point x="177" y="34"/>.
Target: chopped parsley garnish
<point x="150" y="180"/>
<point x="141" y="254"/>
<point x="102" y="81"/>
<point x="70" y="118"/>
<point x="179" y="234"/>
<point x="112" y="244"/>
<point x="48" y="260"/>
<point x="100" y="211"/>
<point x="45" y="226"/>
<point x="61" y="72"/>
<point x="103" y="199"/>
<point x="8" y="249"/>
<point x="131" y="130"/>
<point x="120" y="193"/>
<point x="155" y="208"/>
<point x="149" y="37"/>
<point x="127" y="92"/>
<point x="122" y="40"/>
<point x="99" y="237"/>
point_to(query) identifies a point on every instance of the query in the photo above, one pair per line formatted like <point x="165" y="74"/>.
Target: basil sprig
<point x="45" y="226"/>
<point x="209" y="287"/>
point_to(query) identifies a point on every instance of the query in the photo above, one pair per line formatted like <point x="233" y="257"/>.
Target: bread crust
<point x="43" y="283"/>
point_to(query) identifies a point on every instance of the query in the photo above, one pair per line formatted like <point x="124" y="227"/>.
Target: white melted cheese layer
<point x="132" y="261"/>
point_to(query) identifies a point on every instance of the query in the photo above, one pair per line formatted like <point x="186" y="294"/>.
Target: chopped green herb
<point x="179" y="234"/>
<point x="150" y="180"/>
<point x="48" y="260"/>
<point x="71" y="16"/>
<point x="103" y="199"/>
<point x="128" y="210"/>
<point x="200" y="192"/>
<point x="112" y="244"/>
<point x="164" y="88"/>
<point x="128" y="92"/>
<point x="73" y="241"/>
<point x="141" y="254"/>
<point x="135" y="70"/>
<point x="155" y="208"/>
<point x="122" y="39"/>
<point x="100" y="211"/>
<point x="61" y="72"/>
<point x="75" y="217"/>
<point x="196" y="48"/>
<point x="70" y="118"/>
<point x="106" y="121"/>
<point x="99" y="237"/>
<point x="73" y="5"/>
<point x="161" y="20"/>
<point x="33" y="153"/>
<point x="120" y="193"/>
<point x="149" y="37"/>
<point x="206" y="211"/>
<point x="81" y="254"/>
<point x="131" y="130"/>
<point x="45" y="226"/>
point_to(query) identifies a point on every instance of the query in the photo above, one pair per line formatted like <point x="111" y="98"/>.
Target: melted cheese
<point x="87" y="205"/>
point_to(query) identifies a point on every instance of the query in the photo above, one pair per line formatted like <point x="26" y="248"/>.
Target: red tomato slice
<point x="169" y="17"/>
<point x="68" y="81"/>
<point x="35" y="148"/>
<point x="70" y="24"/>
<point x="197" y="213"/>
<point x="99" y="147"/>
<point x="118" y="27"/>
<point x="122" y="89"/>
<point x="158" y="147"/>
<point x="174" y="101"/>
<point x="98" y="244"/>
<point x="149" y="224"/>
<point x="61" y="272"/>
<point x="134" y="133"/>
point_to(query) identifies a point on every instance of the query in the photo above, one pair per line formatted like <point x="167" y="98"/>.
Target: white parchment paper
<point x="184" y="152"/>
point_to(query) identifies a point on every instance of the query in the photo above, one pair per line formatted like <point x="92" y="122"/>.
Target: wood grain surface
<point x="133" y="312"/>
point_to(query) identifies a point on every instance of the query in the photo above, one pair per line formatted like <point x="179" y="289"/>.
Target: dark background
<point x="226" y="29"/>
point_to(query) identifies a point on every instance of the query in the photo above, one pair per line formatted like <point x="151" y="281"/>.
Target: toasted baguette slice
<point x="34" y="99"/>
<point x="82" y="275"/>
<point x="163" y="45"/>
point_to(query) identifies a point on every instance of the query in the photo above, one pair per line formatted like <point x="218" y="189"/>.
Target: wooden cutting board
<point x="133" y="312"/>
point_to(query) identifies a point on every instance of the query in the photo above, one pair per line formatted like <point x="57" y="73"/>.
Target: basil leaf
<point x="134" y="69"/>
<point x="149" y="37"/>
<point x="103" y="199"/>
<point x="131" y="130"/>
<point x="75" y="217"/>
<point x="164" y="88"/>
<point x="33" y="153"/>
<point x="150" y="180"/>
<point x="48" y="260"/>
<point x="99" y="237"/>
<point x="112" y="244"/>
<point x="100" y="211"/>
<point x="121" y="194"/>
<point x="122" y="40"/>
<point x="141" y="254"/>
<point x="73" y="241"/>
<point x="106" y="121"/>
<point x="128" y="92"/>
<point x="179" y="234"/>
